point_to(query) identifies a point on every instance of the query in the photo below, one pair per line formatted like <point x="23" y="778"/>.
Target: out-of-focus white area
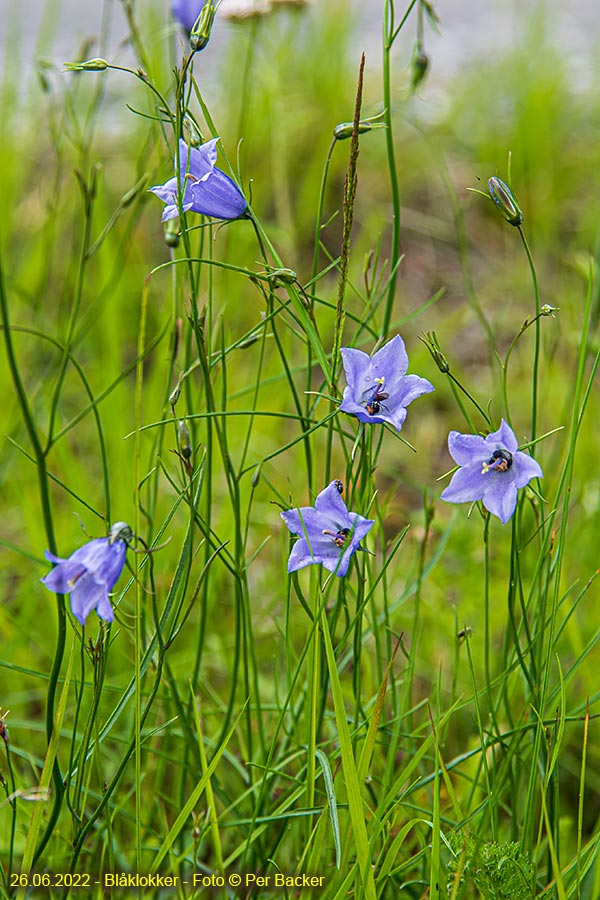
<point x="468" y="28"/>
<point x="469" y="31"/>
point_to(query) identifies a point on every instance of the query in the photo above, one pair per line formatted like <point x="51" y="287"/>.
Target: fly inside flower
<point x="374" y="397"/>
<point x="500" y="461"/>
<point x="340" y="537"/>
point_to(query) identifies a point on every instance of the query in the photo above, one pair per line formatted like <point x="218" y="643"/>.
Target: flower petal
<point x="186" y="12"/>
<point x="467" y="448"/>
<point x="202" y="159"/>
<point x="500" y="498"/>
<point x="329" y="503"/>
<point x="526" y="468"/>
<point x="355" y="363"/>
<point x="411" y="387"/>
<point x="63" y="577"/>
<point x="300" y="556"/>
<point x="503" y="438"/>
<point x="304" y="520"/>
<point x="86" y="596"/>
<point x="467" y="485"/>
<point x="217" y="195"/>
<point x="391" y="363"/>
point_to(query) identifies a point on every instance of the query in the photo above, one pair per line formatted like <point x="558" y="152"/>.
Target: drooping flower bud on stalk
<point x="184" y="439"/>
<point x="419" y="66"/>
<point x="343" y="131"/>
<point x="90" y="65"/>
<point x="172" y="232"/>
<point x="505" y="200"/>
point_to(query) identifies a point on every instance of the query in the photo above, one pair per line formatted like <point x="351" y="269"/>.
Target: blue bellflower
<point x="186" y="12"/>
<point x="378" y="388"/>
<point x="206" y="189"/>
<point x="90" y="573"/>
<point x="492" y="470"/>
<point x="329" y="534"/>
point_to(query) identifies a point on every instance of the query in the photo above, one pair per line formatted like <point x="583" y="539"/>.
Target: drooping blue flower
<point x="206" y="189"/>
<point x="90" y="573"/>
<point x="377" y="387"/>
<point x="329" y="534"/>
<point x="186" y="12"/>
<point x="492" y="470"/>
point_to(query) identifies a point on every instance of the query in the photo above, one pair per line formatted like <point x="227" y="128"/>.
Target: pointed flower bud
<point x="505" y="200"/>
<point x="343" y="131"/>
<point x="200" y="34"/>
<point x="419" y="66"/>
<point x="90" y="65"/>
<point x="172" y="232"/>
<point x="431" y="342"/>
<point x="184" y="439"/>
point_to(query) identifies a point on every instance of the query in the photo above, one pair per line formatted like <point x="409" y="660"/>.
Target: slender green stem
<point x="389" y="36"/>
<point x="536" y="349"/>
<point x="44" y="490"/>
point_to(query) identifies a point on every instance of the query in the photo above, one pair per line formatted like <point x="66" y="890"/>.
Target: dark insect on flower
<point x="339" y="486"/>
<point x="374" y="400"/>
<point x="328" y="534"/>
<point x="371" y="380"/>
<point x="339" y="537"/>
<point x="492" y="478"/>
<point x="500" y="460"/>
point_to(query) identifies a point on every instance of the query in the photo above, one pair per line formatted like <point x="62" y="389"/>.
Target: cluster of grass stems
<point x="392" y="730"/>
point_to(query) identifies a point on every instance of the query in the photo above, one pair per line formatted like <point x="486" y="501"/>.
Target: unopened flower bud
<point x="90" y="65"/>
<point x="184" y="438"/>
<point x="505" y="200"/>
<point x="140" y="186"/>
<point x="419" y="66"/>
<point x="283" y="276"/>
<point x="548" y="310"/>
<point x="200" y="33"/>
<point x="172" y="232"/>
<point x="431" y="342"/>
<point x="192" y="133"/>
<point x="343" y="131"/>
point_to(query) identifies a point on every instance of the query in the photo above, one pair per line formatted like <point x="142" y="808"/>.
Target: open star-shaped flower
<point x="90" y="573"/>
<point x="377" y="387"/>
<point x="329" y="534"/>
<point x="492" y="470"/>
<point x="206" y="189"/>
